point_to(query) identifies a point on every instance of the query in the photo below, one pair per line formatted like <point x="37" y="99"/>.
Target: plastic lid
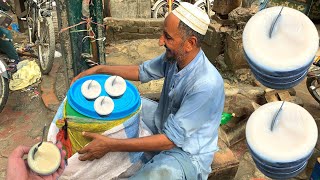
<point x="124" y="105"/>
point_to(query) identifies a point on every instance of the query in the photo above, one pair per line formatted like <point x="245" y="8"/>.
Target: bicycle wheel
<point x="31" y="22"/>
<point x="161" y="11"/>
<point x="203" y="6"/>
<point x="46" y="45"/>
<point x="4" y="91"/>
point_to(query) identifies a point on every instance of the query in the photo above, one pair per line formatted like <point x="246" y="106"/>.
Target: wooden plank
<point x="284" y="96"/>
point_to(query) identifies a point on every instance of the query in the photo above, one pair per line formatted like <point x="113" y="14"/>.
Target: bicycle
<point x="160" y="8"/>
<point x="41" y="31"/>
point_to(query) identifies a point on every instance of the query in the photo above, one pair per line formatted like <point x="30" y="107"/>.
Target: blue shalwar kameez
<point x="188" y="113"/>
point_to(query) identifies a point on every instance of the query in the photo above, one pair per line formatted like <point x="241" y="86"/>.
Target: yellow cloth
<point x="25" y="76"/>
<point x="77" y="126"/>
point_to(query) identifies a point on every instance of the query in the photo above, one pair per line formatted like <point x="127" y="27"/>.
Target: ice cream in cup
<point x="46" y="160"/>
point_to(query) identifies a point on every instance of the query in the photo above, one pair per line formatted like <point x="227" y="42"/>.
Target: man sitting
<point x="186" y="120"/>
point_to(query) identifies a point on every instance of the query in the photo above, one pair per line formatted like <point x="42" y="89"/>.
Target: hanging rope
<point x="85" y="21"/>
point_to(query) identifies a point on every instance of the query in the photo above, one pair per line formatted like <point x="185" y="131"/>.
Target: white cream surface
<point x="91" y="91"/>
<point x="103" y="105"/>
<point x="46" y="160"/>
<point x="294" y="41"/>
<point x="294" y="135"/>
<point x="118" y="88"/>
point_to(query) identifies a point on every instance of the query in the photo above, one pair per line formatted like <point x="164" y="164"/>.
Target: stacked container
<point x="282" y="60"/>
<point x="283" y="152"/>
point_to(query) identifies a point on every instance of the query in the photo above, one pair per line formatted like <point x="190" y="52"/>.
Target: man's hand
<point x="18" y="169"/>
<point x="90" y="71"/>
<point x="96" y="149"/>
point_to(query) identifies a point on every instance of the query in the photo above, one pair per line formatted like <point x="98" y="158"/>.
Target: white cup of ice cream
<point x="103" y="105"/>
<point x="46" y="160"/>
<point x="115" y="86"/>
<point x="90" y="89"/>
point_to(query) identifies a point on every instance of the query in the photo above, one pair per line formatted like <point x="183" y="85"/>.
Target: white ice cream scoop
<point x="90" y="89"/>
<point x="115" y="86"/>
<point x="103" y="105"/>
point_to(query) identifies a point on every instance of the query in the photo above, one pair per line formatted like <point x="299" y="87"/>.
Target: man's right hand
<point x="93" y="70"/>
<point x="126" y="72"/>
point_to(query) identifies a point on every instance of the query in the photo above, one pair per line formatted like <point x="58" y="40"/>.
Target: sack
<point x="77" y="123"/>
<point x="113" y="165"/>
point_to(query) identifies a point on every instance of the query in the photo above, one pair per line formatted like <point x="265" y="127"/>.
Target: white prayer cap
<point x="193" y="17"/>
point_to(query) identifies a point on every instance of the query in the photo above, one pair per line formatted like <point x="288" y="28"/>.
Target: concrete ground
<point x="26" y="112"/>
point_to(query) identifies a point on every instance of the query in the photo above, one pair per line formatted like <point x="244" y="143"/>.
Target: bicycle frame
<point x="40" y="11"/>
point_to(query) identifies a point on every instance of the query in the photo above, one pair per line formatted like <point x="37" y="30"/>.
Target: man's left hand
<point x="18" y="169"/>
<point x="96" y="149"/>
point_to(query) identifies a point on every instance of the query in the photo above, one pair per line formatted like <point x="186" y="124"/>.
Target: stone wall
<point x="222" y="44"/>
<point x="130" y="8"/>
<point x="131" y="29"/>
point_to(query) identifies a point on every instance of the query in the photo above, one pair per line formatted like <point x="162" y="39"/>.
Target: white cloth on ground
<point x="111" y="166"/>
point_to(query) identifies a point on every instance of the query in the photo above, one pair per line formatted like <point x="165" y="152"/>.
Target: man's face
<point x="172" y="39"/>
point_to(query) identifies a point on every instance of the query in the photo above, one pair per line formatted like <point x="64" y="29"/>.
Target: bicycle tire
<point x="46" y="59"/>
<point x="4" y="91"/>
<point x="162" y="4"/>
<point x="310" y="82"/>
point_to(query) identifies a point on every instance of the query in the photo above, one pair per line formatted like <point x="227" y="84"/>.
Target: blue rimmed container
<point x="81" y="116"/>
<point x="273" y="67"/>
<point x="295" y="131"/>
<point x="279" y="170"/>
<point x="125" y="105"/>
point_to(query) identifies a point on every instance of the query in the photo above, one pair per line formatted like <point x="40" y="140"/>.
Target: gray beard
<point x="171" y="60"/>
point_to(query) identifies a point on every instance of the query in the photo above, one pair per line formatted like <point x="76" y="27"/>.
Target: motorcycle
<point x="313" y="80"/>
<point x="4" y="85"/>
<point x="5" y="21"/>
